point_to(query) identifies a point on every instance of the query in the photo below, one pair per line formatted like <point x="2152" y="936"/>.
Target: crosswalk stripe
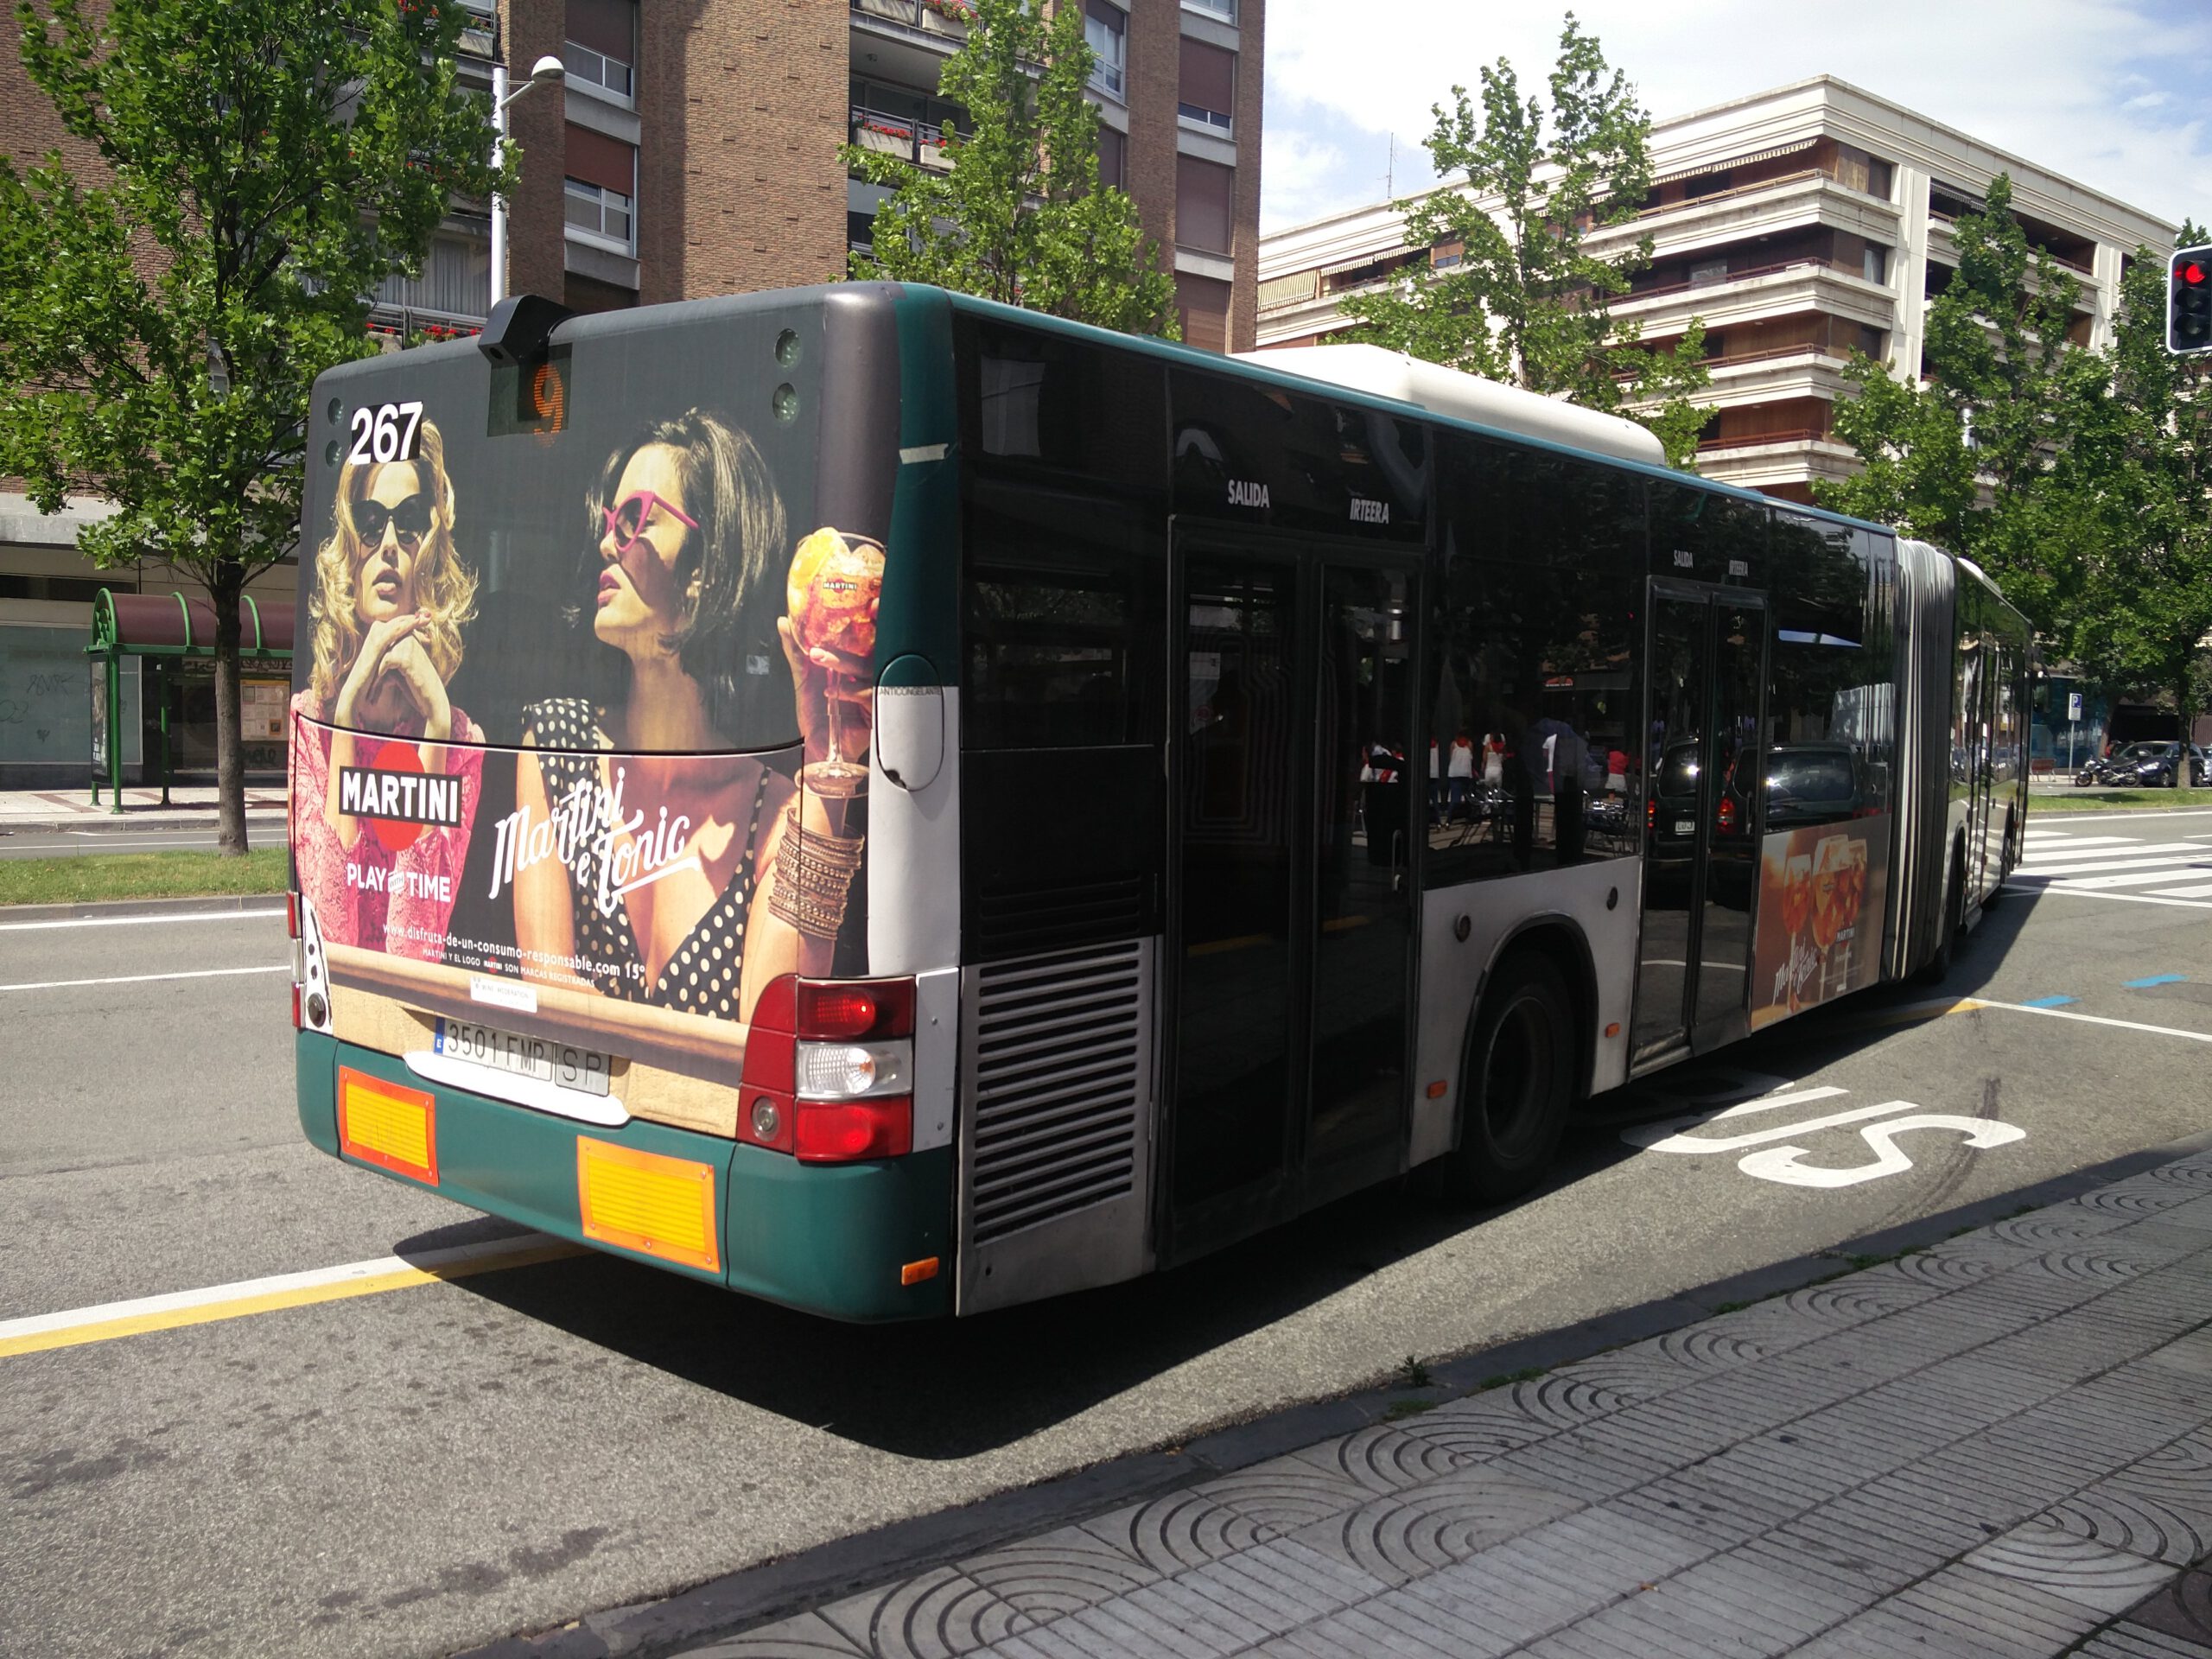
<point x="2142" y="878"/>
<point x="2180" y="867"/>
<point x="2184" y="893"/>
<point x="2043" y="857"/>
<point x="2098" y="841"/>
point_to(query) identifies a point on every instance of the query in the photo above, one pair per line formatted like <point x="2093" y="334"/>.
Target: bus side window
<point x="1533" y="662"/>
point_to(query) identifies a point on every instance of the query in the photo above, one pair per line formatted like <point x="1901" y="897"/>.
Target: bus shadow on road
<point x="958" y="1388"/>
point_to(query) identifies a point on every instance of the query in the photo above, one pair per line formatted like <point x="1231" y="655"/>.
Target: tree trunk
<point x="225" y="587"/>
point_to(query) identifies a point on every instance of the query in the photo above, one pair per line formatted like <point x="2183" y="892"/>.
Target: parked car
<point x="2150" y="765"/>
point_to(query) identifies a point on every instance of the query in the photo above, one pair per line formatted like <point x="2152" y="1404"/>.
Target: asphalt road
<point x="423" y="1470"/>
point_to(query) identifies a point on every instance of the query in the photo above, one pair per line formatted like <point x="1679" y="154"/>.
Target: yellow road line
<point x="107" y="1322"/>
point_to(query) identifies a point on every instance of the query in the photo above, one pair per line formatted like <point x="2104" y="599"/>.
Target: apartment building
<point x="1797" y="223"/>
<point x="692" y="150"/>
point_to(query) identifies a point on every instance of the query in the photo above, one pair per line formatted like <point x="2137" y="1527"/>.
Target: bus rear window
<point x="1061" y="641"/>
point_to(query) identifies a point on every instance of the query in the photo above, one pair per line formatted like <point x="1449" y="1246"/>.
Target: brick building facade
<point x="693" y="150"/>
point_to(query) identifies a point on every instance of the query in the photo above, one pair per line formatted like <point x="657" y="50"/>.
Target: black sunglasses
<point x="411" y="518"/>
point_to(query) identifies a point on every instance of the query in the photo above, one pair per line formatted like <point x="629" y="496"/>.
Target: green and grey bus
<point x="902" y="806"/>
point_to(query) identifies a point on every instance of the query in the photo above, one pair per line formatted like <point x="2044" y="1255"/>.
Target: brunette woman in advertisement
<point x="670" y="898"/>
<point x="391" y="599"/>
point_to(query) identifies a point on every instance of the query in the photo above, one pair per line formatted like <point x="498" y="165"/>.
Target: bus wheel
<point x="1938" y="966"/>
<point x="1518" y="1082"/>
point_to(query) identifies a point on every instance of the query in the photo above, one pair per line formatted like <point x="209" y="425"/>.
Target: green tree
<point x="265" y="165"/>
<point x="1525" y="301"/>
<point x="1965" y="459"/>
<point x="2127" y="495"/>
<point x="1021" y="217"/>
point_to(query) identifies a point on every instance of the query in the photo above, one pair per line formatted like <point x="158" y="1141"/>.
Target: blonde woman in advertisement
<point x="670" y="900"/>
<point x="391" y="599"/>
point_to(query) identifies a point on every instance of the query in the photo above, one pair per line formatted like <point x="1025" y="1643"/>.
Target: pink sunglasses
<point x="627" y="519"/>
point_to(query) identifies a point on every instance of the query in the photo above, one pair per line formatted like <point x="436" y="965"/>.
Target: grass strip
<point x="86" y="877"/>
<point x="2119" y="800"/>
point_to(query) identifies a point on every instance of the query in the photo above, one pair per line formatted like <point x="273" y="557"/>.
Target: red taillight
<point x="793" y="1010"/>
<point x="292" y="915"/>
<point x="845" y="1131"/>
<point x="1651" y="813"/>
<point x="1727" y="815"/>
<point x="834" y="1009"/>
<point x="298" y="1024"/>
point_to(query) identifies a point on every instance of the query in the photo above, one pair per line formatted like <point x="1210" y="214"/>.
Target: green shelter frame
<point x="161" y="626"/>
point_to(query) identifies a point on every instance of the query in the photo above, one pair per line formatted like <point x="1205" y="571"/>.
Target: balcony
<point x="946" y="19"/>
<point x="923" y="142"/>
<point x="394" y="326"/>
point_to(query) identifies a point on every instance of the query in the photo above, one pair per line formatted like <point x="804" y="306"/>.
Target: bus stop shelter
<point x="176" y="635"/>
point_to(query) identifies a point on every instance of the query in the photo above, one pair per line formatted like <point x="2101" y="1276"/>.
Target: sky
<point x="2114" y="93"/>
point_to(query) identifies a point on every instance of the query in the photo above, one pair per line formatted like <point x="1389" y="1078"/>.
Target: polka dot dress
<point x="702" y="977"/>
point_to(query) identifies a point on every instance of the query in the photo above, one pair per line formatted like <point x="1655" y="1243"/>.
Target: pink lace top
<point x="398" y="902"/>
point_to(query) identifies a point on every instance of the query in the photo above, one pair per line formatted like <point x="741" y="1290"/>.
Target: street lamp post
<point x="547" y="71"/>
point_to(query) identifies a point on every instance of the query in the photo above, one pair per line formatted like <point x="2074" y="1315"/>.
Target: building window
<point x="601" y="45"/>
<point x="599" y="212"/>
<point x="1113" y="158"/>
<point x="1206" y="196"/>
<point x="596" y="68"/>
<point x="1202" y="306"/>
<point x="1875" y="266"/>
<point x="1224" y="9"/>
<point x="1106" y="27"/>
<point x="1206" y="80"/>
<point x="456" y="280"/>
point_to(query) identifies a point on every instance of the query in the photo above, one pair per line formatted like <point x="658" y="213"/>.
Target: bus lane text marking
<point x="1765" y="1160"/>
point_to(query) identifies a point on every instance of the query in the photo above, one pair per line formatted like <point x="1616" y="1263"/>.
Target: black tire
<point x="1937" y="968"/>
<point x="1517" y="1083"/>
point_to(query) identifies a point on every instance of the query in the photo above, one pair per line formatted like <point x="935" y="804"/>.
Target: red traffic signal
<point x="2188" y="301"/>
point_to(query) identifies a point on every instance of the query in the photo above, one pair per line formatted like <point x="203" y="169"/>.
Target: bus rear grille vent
<point x="1058" y="1085"/>
<point x="1010" y="922"/>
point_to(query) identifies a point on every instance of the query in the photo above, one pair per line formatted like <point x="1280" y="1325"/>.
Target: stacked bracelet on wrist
<point x="814" y="877"/>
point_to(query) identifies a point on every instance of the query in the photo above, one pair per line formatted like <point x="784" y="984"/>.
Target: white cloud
<point x="2084" y="87"/>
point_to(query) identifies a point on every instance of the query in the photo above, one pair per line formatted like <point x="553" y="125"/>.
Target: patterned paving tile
<point x="2133" y="1642"/>
<point x="1409" y="1534"/>
<point x="1182" y="1529"/>
<point x="936" y="1615"/>
<point x="2095" y="1574"/>
<point x="1286" y="1493"/>
<point x="2184" y="1608"/>
<point x="1480" y="1426"/>
<point x="809" y="1635"/>
<point x="1965" y="1602"/>
<point x="1383" y="1459"/>
<point x="1057" y="1572"/>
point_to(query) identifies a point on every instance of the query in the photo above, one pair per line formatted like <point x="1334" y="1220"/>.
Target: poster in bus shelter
<point x="587" y="710"/>
<point x="1819" y="915"/>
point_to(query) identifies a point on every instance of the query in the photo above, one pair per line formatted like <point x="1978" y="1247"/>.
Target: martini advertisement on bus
<point x="1821" y="893"/>
<point x="586" y="709"/>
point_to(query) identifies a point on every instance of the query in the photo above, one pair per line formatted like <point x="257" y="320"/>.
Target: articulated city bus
<point x="902" y="806"/>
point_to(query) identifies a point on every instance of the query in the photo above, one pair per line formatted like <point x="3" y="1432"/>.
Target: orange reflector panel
<point x="1438" y="1089"/>
<point x="914" y="1272"/>
<point x="644" y="1202"/>
<point x="1614" y="1029"/>
<point x="388" y="1124"/>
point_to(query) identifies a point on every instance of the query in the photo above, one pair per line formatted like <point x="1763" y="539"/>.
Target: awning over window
<point x="1734" y="162"/>
<point x="171" y="625"/>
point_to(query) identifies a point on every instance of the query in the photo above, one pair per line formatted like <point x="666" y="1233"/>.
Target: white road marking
<point x="145" y="979"/>
<point x="2126" y="898"/>
<point x="2078" y="880"/>
<point x="1970" y="1004"/>
<point x="256" y="1295"/>
<point x="142" y="921"/>
<point x="2182" y="893"/>
<point x="2093" y="841"/>
<point x="2043" y="857"/>
<point x="2106" y="818"/>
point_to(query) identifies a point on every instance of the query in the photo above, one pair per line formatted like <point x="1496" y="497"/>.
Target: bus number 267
<point x="387" y="432"/>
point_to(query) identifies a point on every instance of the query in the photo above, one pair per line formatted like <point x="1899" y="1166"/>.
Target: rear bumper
<point x="828" y="1239"/>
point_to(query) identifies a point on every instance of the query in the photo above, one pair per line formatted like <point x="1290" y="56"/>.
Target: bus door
<point x="1292" y="917"/>
<point x="1705" y="772"/>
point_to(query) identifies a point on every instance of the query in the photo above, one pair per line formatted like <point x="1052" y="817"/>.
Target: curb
<point x="726" y="1607"/>
<point x="102" y="823"/>
<point x="94" y="909"/>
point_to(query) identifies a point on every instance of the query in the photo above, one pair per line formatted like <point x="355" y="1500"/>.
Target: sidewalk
<point x="1999" y="1447"/>
<point x="30" y="811"/>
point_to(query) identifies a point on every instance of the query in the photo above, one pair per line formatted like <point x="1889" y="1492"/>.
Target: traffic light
<point x="2188" y="301"/>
